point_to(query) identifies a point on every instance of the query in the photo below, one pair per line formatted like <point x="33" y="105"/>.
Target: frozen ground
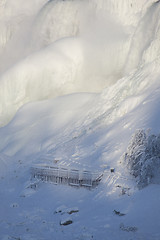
<point x="77" y="79"/>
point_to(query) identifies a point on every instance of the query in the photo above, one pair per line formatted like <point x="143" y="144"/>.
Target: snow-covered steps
<point x="72" y="177"/>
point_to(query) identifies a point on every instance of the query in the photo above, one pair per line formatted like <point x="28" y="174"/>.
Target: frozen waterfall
<point x="53" y="48"/>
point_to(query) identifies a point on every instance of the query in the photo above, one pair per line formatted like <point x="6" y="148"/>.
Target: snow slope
<point x="75" y="91"/>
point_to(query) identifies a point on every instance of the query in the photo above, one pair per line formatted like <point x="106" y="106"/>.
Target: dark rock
<point x="67" y="222"/>
<point x="119" y="213"/>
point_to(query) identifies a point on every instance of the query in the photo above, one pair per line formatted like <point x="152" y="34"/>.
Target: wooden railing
<point x="60" y="175"/>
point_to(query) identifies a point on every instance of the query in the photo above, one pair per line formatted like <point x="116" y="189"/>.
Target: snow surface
<point x="77" y="79"/>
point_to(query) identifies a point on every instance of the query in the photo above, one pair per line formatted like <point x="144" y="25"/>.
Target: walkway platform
<point x="60" y="175"/>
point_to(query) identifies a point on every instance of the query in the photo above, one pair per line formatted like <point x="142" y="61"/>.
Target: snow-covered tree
<point x="143" y="157"/>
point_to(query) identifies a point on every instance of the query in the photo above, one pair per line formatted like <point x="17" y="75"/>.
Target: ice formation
<point x="48" y="49"/>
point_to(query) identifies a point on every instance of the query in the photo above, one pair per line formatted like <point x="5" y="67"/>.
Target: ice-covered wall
<point x="47" y="73"/>
<point x="16" y="20"/>
<point x="13" y="15"/>
<point x="51" y="48"/>
<point x="150" y="54"/>
<point x="144" y="38"/>
<point x="56" y="20"/>
<point x="128" y="12"/>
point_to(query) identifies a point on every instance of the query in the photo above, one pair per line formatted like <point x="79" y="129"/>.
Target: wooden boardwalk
<point x="60" y="175"/>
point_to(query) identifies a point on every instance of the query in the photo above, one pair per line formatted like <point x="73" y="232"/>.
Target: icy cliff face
<point x="59" y="47"/>
<point x="144" y="37"/>
<point x="49" y="73"/>
<point x="128" y="12"/>
<point x="56" y="20"/>
<point x="16" y="18"/>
